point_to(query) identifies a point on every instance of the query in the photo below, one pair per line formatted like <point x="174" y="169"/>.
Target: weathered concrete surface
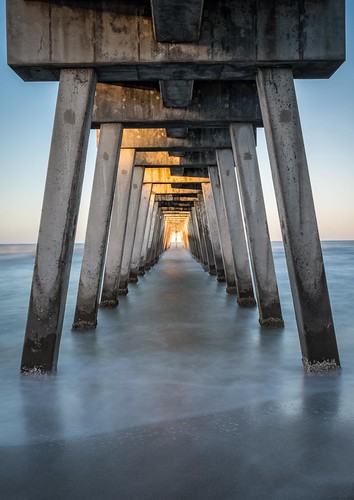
<point x="134" y="201"/>
<point x="213" y="230"/>
<point x="162" y="159"/>
<point x="157" y="140"/>
<point x="118" y="227"/>
<point x="168" y="189"/>
<point x="260" y="250"/>
<point x="205" y="234"/>
<point x="144" y="248"/>
<point x="203" y="258"/>
<point x="155" y="159"/>
<point x="298" y="219"/>
<point x="214" y="104"/>
<point x="140" y="230"/>
<point x="98" y="226"/>
<point x="58" y="222"/>
<point x="236" y="37"/>
<point x="176" y="93"/>
<point x="224" y="232"/>
<point x="177" y="20"/>
<point x="163" y="176"/>
<point x="233" y="214"/>
<point x="151" y="238"/>
<point x="179" y="133"/>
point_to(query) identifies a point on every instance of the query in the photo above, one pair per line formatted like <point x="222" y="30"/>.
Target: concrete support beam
<point x="140" y="230"/>
<point x="98" y="227"/>
<point x="177" y="133"/>
<point x="177" y="21"/>
<point x="236" y="38"/>
<point x="135" y="194"/>
<point x="224" y="232"/>
<point x="153" y="159"/>
<point x="215" y="104"/>
<point x="57" y="227"/>
<point x="168" y="189"/>
<point x="145" y="139"/>
<point x="176" y="93"/>
<point x="226" y="168"/>
<point x="118" y="228"/>
<point x="298" y="219"/>
<point x="213" y="230"/>
<point x="251" y="193"/>
<point x="163" y="176"/>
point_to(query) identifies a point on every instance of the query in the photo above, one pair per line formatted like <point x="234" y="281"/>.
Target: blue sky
<point x="27" y="111"/>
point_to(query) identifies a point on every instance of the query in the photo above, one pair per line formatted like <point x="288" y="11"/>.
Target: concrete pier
<point x="260" y="250"/>
<point x="180" y="75"/>
<point x="135" y="194"/>
<point x="226" y="169"/>
<point x="118" y="227"/>
<point x="59" y="217"/>
<point x="98" y="227"/>
<point x="298" y="219"/>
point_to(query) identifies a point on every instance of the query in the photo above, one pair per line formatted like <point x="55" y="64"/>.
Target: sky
<point x="326" y="110"/>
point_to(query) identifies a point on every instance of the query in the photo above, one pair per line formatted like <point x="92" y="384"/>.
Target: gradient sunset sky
<point x="327" y="113"/>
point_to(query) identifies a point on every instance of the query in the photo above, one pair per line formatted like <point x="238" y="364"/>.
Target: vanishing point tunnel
<point x="176" y="91"/>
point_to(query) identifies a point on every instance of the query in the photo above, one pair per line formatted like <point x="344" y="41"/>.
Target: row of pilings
<point x="177" y="93"/>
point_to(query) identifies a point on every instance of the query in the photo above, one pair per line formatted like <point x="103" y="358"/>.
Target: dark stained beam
<point x="177" y="21"/>
<point x="215" y="104"/>
<point x="176" y="93"/>
<point x="177" y="133"/>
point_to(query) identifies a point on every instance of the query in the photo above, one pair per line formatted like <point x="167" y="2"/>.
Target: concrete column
<point x="98" y="226"/>
<point x="118" y="228"/>
<point x="151" y="237"/>
<point x="200" y="239"/>
<point x="213" y="228"/>
<point x="249" y="181"/>
<point x="194" y="236"/>
<point x="146" y="235"/>
<point x="224" y="232"/>
<point x="137" y="184"/>
<point x="226" y="168"/>
<point x="206" y="236"/>
<point x="140" y="230"/>
<point x="58" y="222"/>
<point x="151" y="256"/>
<point x="297" y="219"/>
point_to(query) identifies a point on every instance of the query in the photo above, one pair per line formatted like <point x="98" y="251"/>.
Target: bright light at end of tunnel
<point x="176" y="237"/>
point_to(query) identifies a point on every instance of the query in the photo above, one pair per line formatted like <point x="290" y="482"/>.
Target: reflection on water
<point x="179" y="362"/>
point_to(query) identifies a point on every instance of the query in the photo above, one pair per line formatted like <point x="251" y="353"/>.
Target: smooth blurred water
<point x="178" y="393"/>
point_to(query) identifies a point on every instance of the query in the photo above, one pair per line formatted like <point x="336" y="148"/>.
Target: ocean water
<point x="178" y="393"/>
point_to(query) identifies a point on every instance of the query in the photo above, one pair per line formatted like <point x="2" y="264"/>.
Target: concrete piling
<point x="137" y="184"/>
<point x="140" y="230"/>
<point x="59" y="217"/>
<point x="118" y="228"/>
<point x="98" y="227"/>
<point x="298" y="219"/>
<point x="224" y="232"/>
<point x="260" y="250"/>
<point x="226" y="169"/>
